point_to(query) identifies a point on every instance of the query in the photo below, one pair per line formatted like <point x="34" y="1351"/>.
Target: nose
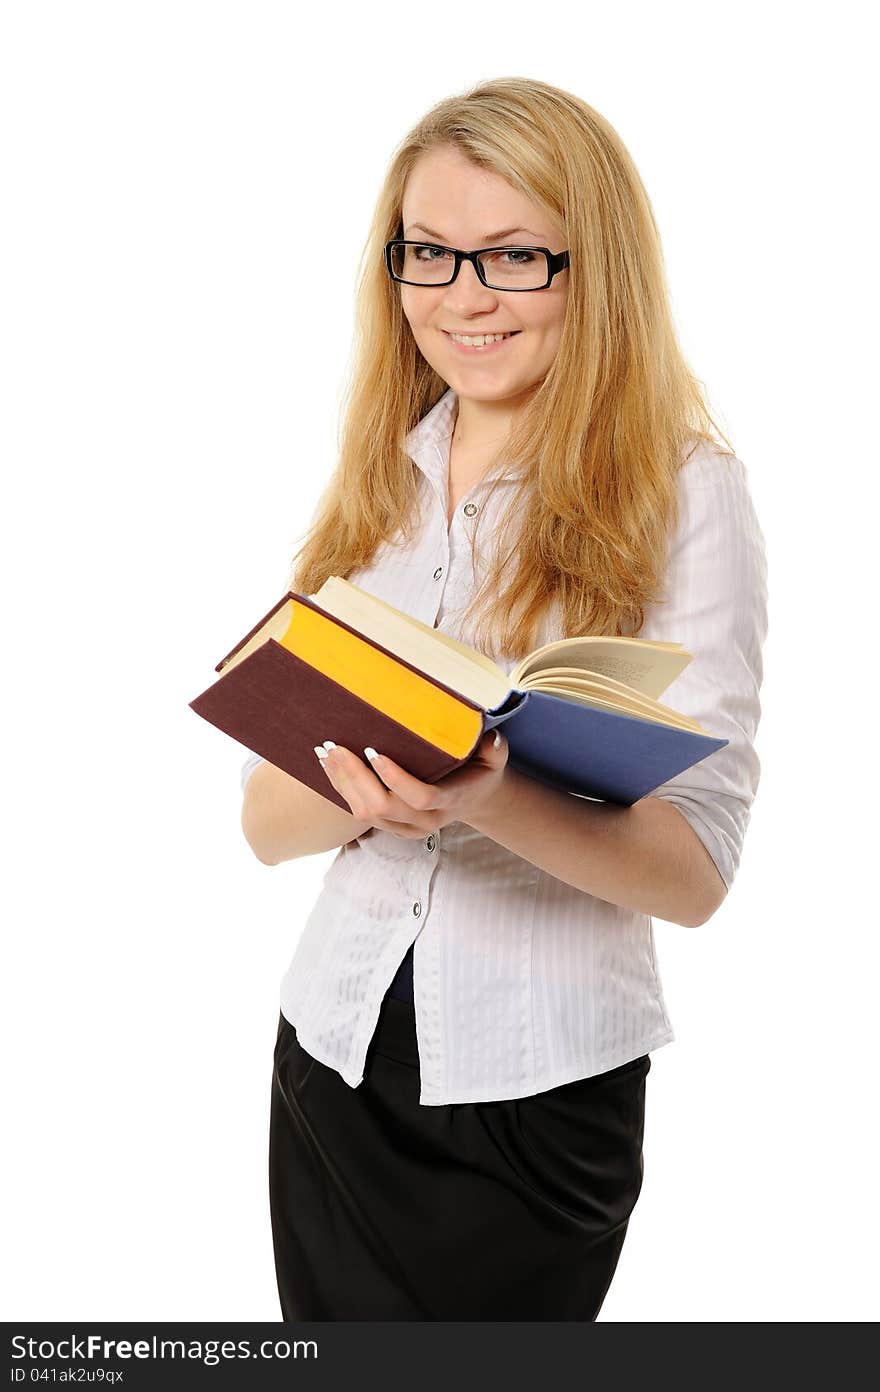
<point x="467" y="291"/>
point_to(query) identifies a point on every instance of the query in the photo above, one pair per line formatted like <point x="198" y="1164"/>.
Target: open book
<point x="579" y="714"/>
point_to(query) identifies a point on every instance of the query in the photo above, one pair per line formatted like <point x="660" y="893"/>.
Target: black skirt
<point x="385" y="1209"/>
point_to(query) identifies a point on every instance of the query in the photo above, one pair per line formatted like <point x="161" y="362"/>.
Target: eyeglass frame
<point x="556" y="261"/>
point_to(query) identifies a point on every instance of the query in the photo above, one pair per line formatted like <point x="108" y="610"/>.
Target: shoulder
<point x="709" y="466"/>
<point x="718" y="530"/>
<point x="713" y="489"/>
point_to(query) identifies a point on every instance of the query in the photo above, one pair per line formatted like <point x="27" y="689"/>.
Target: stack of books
<point x="580" y="714"/>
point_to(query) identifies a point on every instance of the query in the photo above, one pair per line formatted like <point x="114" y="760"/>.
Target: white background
<point x="187" y="188"/>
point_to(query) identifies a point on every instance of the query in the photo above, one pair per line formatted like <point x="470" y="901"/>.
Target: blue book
<point x="595" y="753"/>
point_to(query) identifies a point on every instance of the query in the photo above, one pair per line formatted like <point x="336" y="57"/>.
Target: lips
<point x="509" y="332"/>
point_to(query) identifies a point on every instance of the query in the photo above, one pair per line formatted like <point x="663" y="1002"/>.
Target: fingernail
<point x="497" y="740"/>
<point x="370" y="752"/>
<point x="328" y="744"/>
<point x="321" y="752"/>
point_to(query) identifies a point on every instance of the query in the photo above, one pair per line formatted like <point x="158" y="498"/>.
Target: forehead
<point x="446" y="191"/>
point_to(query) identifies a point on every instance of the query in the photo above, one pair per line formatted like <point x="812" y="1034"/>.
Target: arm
<point x="643" y="857"/>
<point x="283" y="819"/>
<point x="676" y="852"/>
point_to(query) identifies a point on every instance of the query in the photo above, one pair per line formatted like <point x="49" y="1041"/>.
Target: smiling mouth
<point x="481" y="340"/>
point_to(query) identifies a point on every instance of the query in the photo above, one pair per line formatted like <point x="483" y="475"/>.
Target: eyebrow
<point x="505" y="232"/>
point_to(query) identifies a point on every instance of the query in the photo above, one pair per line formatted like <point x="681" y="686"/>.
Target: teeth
<point x="479" y="339"/>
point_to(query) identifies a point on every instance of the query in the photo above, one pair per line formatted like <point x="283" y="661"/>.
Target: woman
<point x="466" y="1026"/>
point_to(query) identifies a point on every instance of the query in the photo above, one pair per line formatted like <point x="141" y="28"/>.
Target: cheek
<point x="552" y="333"/>
<point x="407" y="310"/>
<point x="417" y="309"/>
<point x="545" y="335"/>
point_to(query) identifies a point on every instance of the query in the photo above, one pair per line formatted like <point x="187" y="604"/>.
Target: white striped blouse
<point x="522" y="982"/>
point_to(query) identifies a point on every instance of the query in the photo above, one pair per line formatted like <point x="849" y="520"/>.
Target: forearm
<point x="645" y="857"/>
<point x="283" y="819"/>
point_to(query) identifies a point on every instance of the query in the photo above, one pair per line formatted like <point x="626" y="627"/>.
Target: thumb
<point x="494" y="747"/>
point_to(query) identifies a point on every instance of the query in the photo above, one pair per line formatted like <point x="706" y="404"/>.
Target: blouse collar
<point x="429" y="442"/>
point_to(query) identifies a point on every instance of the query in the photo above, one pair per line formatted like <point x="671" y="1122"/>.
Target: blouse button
<point x="431" y="841"/>
<point x="417" y="908"/>
<point x="438" y="572"/>
<point x="470" y="509"/>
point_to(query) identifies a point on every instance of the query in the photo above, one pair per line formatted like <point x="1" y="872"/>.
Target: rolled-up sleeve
<point x="716" y="607"/>
<point x="248" y="767"/>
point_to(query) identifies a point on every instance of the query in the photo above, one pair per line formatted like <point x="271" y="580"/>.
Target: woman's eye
<point x="511" y="258"/>
<point x="426" y="247"/>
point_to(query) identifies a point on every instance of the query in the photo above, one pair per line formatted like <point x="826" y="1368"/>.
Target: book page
<point x="644" y="666"/>
<point x="273" y="625"/>
<point x="579" y="677"/>
<point x="650" y="712"/>
<point x="611" y="695"/>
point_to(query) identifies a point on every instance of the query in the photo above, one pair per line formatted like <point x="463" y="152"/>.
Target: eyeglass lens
<point x="511" y="268"/>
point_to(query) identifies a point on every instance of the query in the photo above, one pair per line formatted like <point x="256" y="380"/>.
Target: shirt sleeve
<point x="716" y="606"/>
<point x="248" y="767"/>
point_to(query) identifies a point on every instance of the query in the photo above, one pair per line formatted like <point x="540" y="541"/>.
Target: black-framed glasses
<point x="499" y="268"/>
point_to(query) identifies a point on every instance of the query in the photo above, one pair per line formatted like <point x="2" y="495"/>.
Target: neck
<point x="481" y="426"/>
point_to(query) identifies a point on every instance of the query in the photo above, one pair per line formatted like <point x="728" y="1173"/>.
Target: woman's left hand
<point x="388" y="797"/>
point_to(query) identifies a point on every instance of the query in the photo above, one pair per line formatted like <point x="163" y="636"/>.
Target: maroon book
<point x="280" y="707"/>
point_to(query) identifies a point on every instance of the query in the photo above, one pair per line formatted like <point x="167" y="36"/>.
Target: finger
<point x="364" y="792"/>
<point x="492" y="750"/>
<point x="405" y="830"/>
<point x="423" y="797"/>
<point x="495" y="749"/>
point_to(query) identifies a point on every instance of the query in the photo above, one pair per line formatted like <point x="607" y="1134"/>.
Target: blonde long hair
<point x="597" y="445"/>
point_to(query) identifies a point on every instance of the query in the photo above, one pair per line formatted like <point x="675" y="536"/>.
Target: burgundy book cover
<point x="280" y="707"/>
